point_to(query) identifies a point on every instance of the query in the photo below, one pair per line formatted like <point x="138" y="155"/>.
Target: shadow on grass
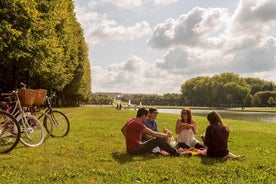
<point x="124" y="157"/>
<point x="211" y="161"/>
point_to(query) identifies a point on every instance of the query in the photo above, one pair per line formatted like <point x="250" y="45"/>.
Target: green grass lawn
<point x="94" y="152"/>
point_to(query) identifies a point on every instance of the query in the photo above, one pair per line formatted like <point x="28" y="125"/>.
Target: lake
<point x="266" y="117"/>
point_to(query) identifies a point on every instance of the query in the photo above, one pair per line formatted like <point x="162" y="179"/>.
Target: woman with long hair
<point x="216" y="137"/>
<point x="186" y="130"/>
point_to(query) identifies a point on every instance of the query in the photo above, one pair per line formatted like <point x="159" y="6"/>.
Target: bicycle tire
<point x="61" y="124"/>
<point x="47" y="122"/>
<point x="33" y="132"/>
<point x="9" y="132"/>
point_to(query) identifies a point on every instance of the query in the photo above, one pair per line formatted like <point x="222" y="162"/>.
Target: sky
<point x="154" y="46"/>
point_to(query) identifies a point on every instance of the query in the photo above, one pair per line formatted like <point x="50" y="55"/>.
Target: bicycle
<point x="32" y="132"/>
<point x="9" y="132"/>
<point x="60" y="123"/>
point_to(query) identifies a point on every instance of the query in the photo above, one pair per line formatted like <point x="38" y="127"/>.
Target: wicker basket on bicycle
<point x="26" y="97"/>
<point x="40" y="96"/>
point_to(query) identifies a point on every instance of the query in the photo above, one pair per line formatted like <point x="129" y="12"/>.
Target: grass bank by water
<point x="94" y="152"/>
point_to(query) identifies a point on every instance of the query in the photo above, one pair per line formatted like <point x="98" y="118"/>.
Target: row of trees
<point x="42" y="44"/>
<point x="228" y="89"/>
<point x="224" y="90"/>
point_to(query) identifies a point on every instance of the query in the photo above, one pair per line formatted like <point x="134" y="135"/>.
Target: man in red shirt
<point x="133" y="130"/>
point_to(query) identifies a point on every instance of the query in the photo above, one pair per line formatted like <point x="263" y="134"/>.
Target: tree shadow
<point x="211" y="161"/>
<point x="124" y="157"/>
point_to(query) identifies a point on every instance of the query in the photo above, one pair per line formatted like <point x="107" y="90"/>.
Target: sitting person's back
<point x="216" y="137"/>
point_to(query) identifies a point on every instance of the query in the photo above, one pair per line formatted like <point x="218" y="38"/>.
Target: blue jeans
<point x="146" y="147"/>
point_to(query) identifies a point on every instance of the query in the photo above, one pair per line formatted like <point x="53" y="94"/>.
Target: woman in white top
<point x="186" y="130"/>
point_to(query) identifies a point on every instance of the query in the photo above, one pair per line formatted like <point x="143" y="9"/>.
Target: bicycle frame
<point x="17" y="109"/>
<point x="61" y="125"/>
<point x="49" y="109"/>
<point x="18" y="112"/>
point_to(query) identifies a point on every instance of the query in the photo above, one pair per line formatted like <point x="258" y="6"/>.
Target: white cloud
<point x="98" y="28"/>
<point x="124" y="76"/>
<point x="198" y="28"/>
<point x="200" y="42"/>
<point x="254" y="17"/>
<point x="205" y="41"/>
<point x="134" y="76"/>
<point x="164" y="2"/>
<point x="125" y="4"/>
<point x="130" y="4"/>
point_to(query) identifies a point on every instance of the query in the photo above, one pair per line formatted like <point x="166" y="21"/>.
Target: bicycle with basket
<point x="32" y="132"/>
<point x="55" y="122"/>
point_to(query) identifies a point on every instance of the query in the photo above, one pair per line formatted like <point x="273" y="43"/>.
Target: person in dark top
<point x="216" y="137"/>
<point x="151" y="123"/>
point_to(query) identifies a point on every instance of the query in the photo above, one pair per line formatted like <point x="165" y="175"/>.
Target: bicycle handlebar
<point x="22" y="85"/>
<point x="7" y="94"/>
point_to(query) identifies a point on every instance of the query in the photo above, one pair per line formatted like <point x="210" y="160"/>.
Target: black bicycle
<point x="9" y="132"/>
<point x="60" y="125"/>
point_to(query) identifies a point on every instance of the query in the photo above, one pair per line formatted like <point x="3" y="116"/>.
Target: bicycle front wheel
<point x="47" y="122"/>
<point x="61" y="124"/>
<point x="9" y="132"/>
<point x="33" y="132"/>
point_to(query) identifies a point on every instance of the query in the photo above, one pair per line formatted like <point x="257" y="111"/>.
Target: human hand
<point x="202" y="137"/>
<point x="169" y="134"/>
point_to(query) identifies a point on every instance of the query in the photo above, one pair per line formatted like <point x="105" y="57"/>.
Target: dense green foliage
<point x="166" y="99"/>
<point x="228" y="89"/>
<point x="42" y="44"/>
<point x="100" y="99"/>
<point x="225" y="89"/>
<point x="94" y="152"/>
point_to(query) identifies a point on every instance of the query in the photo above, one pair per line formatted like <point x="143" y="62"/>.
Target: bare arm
<point x="155" y="134"/>
<point x="194" y="127"/>
<point x="147" y="136"/>
<point x="181" y="126"/>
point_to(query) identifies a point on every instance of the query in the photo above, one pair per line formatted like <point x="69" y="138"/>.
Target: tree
<point x="196" y="91"/>
<point x="257" y="84"/>
<point x="256" y="100"/>
<point x="235" y="93"/>
<point x="221" y="89"/>
<point x="248" y="100"/>
<point x="42" y="44"/>
<point x="271" y="101"/>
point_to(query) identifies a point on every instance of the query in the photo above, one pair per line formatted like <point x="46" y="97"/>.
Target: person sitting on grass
<point x="133" y="130"/>
<point x="216" y="137"/>
<point x="186" y="130"/>
<point x="150" y="123"/>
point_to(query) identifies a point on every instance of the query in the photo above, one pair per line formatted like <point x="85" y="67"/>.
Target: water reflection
<point x="267" y="117"/>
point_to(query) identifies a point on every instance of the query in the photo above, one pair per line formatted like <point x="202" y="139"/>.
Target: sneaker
<point x="238" y="157"/>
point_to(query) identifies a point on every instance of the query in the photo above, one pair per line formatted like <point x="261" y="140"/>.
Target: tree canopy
<point x="221" y="90"/>
<point x="42" y="44"/>
<point x="226" y="89"/>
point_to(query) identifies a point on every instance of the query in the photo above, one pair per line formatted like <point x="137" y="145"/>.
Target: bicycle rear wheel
<point x="9" y="132"/>
<point x="61" y="124"/>
<point x="46" y="121"/>
<point x="33" y="132"/>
